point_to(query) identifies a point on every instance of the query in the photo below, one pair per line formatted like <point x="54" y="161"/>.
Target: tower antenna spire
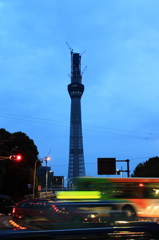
<point x="71" y="49"/>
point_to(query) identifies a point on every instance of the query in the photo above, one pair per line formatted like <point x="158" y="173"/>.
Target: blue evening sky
<point x="120" y="111"/>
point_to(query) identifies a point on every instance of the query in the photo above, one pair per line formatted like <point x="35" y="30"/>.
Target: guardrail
<point x="142" y="231"/>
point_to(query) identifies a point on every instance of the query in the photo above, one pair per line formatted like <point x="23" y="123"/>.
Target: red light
<point x="13" y="210"/>
<point x="16" y="157"/>
<point x="141" y="185"/>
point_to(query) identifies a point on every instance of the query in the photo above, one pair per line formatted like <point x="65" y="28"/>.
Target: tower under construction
<point x="76" y="88"/>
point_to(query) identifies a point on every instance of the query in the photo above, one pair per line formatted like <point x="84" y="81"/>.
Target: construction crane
<point x="71" y="49"/>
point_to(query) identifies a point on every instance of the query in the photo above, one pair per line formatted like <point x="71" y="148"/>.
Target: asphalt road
<point x="4" y="221"/>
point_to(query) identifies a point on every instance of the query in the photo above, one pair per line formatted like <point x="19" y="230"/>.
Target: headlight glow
<point x="92" y="216"/>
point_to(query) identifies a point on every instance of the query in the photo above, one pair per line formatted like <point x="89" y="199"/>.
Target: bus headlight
<point x="92" y="215"/>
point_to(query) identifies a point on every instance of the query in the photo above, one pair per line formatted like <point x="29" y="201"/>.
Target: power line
<point x="49" y="122"/>
<point x="96" y="162"/>
<point x="125" y="130"/>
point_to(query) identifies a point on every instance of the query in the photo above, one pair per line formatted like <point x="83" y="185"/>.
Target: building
<point x="45" y="176"/>
<point x="76" y="166"/>
<point x="58" y="183"/>
<point x="48" y="181"/>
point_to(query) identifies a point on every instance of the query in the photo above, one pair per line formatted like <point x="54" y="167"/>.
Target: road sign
<point x="106" y="166"/>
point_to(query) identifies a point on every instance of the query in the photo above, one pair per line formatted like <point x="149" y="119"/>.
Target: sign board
<point x="106" y="166"/>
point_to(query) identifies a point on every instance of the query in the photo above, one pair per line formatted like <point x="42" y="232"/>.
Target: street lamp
<point x="34" y="177"/>
<point x="63" y="182"/>
<point x="46" y="160"/>
<point x="49" y="179"/>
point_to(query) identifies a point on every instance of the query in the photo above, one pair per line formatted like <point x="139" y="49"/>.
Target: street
<point x="4" y="221"/>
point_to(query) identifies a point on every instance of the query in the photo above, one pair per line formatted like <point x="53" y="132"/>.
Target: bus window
<point x="127" y="190"/>
<point x="152" y="193"/>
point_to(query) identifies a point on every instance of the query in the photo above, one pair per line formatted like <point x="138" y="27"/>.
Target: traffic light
<point x="16" y="157"/>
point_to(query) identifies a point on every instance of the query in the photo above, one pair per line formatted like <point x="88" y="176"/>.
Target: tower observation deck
<point x="76" y="88"/>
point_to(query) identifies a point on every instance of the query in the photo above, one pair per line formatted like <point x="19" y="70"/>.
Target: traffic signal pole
<point x="12" y="157"/>
<point x="128" y="167"/>
<point x="4" y="158"/>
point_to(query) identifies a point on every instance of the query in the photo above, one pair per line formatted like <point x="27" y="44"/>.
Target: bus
<point x="139" y="197"/>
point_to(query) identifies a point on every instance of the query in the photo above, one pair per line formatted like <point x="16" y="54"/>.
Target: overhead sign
<point x="106" y="166"/>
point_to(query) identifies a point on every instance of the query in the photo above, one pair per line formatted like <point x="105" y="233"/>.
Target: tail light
<point x="13" y="210"/>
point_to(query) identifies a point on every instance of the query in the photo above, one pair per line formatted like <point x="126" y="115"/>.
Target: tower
<point x="76" y="88"/>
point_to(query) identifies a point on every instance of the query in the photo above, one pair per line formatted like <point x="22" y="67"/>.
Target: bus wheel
<point x="129" y="212"/>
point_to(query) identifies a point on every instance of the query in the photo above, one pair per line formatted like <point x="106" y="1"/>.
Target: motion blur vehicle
<point x="45" y="211"/>
<point x="138" y="196"/>
<point x="6" y="204"/>
<point x="87" y="220"/>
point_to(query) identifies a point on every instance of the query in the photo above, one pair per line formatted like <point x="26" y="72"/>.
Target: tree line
<point x="16" y="175"/>
<point x="149" y="168"/>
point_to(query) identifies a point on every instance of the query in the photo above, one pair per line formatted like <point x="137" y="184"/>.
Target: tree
<point x="149" y="168"/>
<point x="17" y="174"/>
<point x="5" y="138"/>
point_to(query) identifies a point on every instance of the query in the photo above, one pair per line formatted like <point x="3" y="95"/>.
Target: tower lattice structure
<point x="76" y="88"/>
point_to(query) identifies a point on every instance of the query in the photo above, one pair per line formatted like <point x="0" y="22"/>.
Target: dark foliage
<point x="149" y="168"/>
<point x="16" y="175"/>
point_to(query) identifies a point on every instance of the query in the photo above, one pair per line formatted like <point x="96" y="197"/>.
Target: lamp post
<point x="46" y="160"/>
<point x="34" y="177"/>
<point x="63" y="183"/>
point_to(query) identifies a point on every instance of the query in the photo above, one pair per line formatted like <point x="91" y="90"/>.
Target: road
<point x="4" y="221"/>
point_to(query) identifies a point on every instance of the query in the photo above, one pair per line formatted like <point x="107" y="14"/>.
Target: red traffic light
<point x="16" y="157"/>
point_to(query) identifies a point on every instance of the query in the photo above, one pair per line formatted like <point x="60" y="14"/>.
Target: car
<point x="34" y="211"/>
<point x="6" y="204"/>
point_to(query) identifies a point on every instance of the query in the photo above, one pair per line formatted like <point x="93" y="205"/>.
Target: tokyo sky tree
<point x="76" y="88"/>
